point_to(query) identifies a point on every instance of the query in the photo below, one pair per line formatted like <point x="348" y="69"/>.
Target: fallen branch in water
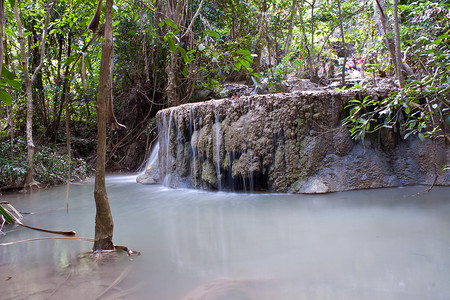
<point x="432" y="185"/>
<point x="48" y="238"/>
<point x="16" y="219"/>
<point x="68" y="233"/>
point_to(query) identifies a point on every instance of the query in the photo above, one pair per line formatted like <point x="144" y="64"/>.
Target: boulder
<point x="292" y="142"/>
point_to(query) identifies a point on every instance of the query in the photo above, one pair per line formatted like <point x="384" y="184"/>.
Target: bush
<point x="50" y="167"/>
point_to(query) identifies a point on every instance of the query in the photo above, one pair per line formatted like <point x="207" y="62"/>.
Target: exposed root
<point x="127" y="250"/>
<point x="34" y="185"/>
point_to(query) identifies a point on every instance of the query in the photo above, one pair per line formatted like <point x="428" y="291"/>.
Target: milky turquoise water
<point x="372" y="244"/>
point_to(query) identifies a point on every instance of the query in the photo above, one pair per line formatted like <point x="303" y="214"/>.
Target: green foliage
<point x="6" y="215"/>
<point x="50" y="166"/>
<point x="8" y="82"/>
<point x="423" y="107"/>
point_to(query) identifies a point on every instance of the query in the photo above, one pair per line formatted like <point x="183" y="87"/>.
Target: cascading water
<point x="218" y="126"/>
<point x="284" y="143"/>
<point x="166" y="158"/>
<point x="152" y="160"/>
<point x="193" y="129"/>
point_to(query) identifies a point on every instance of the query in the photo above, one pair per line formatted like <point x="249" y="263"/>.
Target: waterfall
<point x="193" y="129"/>
<point x="152" y="160"/>
<point x="218" y="126"/>
<point x="279" y="142"/>
<point x="151" y="173"/>
<point x="166" y="160"/>
<point x="249" y="148"/>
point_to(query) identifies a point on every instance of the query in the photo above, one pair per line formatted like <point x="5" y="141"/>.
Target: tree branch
<point x="44" y="38"/>
<point x="193" y="19"/>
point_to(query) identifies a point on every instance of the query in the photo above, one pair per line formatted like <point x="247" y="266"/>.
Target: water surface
<point x="374" y="244"/>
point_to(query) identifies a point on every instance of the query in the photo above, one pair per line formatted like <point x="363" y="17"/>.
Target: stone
<point x="292" y="142"/>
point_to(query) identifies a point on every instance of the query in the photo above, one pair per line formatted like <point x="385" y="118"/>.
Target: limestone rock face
<point x="287" y="143"/>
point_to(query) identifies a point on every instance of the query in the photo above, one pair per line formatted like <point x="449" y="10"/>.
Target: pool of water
<point x="371" y="244"/>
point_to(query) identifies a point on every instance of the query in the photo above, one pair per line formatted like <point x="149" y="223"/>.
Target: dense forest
<point x="167" y="53"/>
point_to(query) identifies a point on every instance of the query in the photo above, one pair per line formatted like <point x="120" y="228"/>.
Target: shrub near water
<point x="50" y="166"/>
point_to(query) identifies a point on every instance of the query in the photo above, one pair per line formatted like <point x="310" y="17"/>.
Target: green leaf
<point x="244" y="52"/>
<point x="6" y="215"/>
<point x="173" y="47"/>
<point x="421" y="136"/>
<point x="407" y="134"/>
<point x="14" y="84"/>
<point x="245" y="63"/>
<point x="7" y="74"/>
<point x="237" y="66"/>
<point x="407" y="110"/>
<point x="5" y="97"/>
<point x="447" y="120"/>
<point x="171" y="23"/>
<point x="212" y="34"/>
<point x="185" y="71"/>
<point x="76" y="48"/>
<point x="354" y="101"/>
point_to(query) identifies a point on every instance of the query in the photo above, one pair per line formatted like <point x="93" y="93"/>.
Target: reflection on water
<point x="377" y="244"/>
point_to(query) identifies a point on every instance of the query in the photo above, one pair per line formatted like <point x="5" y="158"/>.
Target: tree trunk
<point x="172" y="80"/>
<point x="104" y="225"/>
<point x="294" y="8"/>
<point x="398" y="58"/>
<point x="384" y="28"/>
<point x="313" y="69"/>
<point x="305" y="38"/>
<point x="287" y="48"/>
<point x="343" y="42"/>
<point x="2" y="24"/>
<point x="28" y="86"/>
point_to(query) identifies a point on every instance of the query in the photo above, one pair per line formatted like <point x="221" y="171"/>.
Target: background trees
<point x="166" y="50"/>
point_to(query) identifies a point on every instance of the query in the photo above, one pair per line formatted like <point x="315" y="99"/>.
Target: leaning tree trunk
<point x="385" y="29"/>
<point x="104" y="225"/>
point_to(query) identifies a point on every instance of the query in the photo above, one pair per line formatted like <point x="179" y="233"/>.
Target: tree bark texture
<point x="28" y="86"/>
<point x="384" y="28"/>
<point x="2" y="25"/>
<point x="104" y="225"/>
<point x="398" y="57"/>
<point x="343" y="42"/>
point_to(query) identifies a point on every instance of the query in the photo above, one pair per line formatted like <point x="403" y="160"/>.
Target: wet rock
<point x="234" y="90"/>
<point x="291" y="142"/>
<point x="201" y="95"/>
<point x="150" y="176"/>
<point x="295" y="84"/>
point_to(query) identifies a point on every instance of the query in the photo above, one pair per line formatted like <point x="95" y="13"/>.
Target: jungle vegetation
<point x="164" y="51"/>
